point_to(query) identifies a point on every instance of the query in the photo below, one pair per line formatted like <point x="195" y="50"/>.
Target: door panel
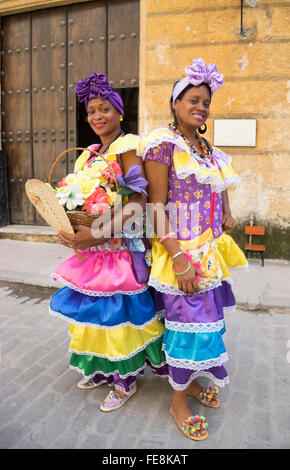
<point x="16" y="121"/>
<point x="86" y="54"/>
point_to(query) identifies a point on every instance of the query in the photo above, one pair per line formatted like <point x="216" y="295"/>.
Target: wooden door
<point x="44" y="53"/>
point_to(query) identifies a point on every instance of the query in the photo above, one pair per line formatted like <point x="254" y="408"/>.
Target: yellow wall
<point x="257" y="86"/>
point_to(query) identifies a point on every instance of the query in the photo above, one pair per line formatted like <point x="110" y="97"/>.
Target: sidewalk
<point x="33" y="262"/>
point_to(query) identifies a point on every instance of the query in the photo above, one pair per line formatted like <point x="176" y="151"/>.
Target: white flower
<point x="70" y="196"/>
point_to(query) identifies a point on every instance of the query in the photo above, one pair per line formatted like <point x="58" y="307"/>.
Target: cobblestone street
<point x="41" y="407"/>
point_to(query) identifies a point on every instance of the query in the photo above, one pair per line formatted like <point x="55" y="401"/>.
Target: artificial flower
<point x="70" y="196"/>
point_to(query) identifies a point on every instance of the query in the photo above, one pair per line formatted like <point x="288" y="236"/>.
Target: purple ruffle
<point x="126" y="384"/>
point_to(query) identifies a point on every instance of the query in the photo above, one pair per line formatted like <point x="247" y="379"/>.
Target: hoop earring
<point x="202" y="131"/>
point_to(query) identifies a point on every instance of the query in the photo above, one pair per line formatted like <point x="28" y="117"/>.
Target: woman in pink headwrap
<point x="190" y="251"/>
<point x="114" y="327"/>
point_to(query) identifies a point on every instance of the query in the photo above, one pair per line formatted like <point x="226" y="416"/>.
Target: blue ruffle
<point x="195" y="347"/>
<point x="104" y="311"/>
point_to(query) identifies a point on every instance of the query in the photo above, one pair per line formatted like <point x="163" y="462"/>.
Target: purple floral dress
<point x="194" y="325"/>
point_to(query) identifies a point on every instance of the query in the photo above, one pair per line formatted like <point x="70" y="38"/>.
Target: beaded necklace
<point x="117" y="137"/>
<point x="204" y="150"/>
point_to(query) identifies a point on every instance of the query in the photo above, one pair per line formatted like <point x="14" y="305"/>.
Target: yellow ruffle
<point x="202" y="249"/>
<point x="121" y="145"/>
<point x="230" y="255"/>
<point x="115" y="343"/>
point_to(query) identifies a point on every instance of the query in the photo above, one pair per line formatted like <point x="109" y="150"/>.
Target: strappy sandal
<point x="206" y="396"/>
<point x="193" y="425"/>
<point x="86" y="384"/>
<point x="114" y="401"/>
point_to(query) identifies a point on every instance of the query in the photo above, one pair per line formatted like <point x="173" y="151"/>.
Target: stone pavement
<point x="41" y="407"/>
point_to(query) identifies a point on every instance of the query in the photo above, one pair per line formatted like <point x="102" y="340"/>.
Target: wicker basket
<point x="81" y="217"/>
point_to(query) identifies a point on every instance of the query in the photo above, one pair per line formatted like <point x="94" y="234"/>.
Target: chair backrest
<point x="254" y="230"/>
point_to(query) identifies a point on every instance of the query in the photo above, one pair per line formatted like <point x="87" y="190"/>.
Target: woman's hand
<point x="187" y="282"/>
<point x="81" y="240"/>
<point x="228" y="221"/>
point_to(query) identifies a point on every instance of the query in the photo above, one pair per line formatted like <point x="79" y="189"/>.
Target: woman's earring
<point x="121" y="118"/>
<point x="202" y="131"/>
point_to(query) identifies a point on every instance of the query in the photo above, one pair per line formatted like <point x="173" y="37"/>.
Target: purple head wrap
<point x="197" y="73"/>
<point x="97" y="86"/>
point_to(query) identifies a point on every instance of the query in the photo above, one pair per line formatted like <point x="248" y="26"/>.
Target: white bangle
<point x="177" y="254"/>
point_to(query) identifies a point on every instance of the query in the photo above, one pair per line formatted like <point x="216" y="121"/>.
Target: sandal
<point x="193" y="425"/>
<point x="207" y="395"/>
<point x="86" y="384"/>
<point x="114" y="401"/>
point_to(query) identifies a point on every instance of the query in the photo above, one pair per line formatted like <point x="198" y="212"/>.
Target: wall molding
<point x="10" y="7"/>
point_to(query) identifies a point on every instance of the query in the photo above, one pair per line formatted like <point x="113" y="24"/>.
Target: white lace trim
<point x="172" y="290"/>
<point x="159" y="140"/>
<point x="57" y="277"/>
<point x="116" y="371"/>
<point x="119" y="358"/>
<point x="196" y="365"/>
<point x="212" y="327"/>
<point x="195" y="375"/>
<point x="102" y="327"/>
<point x="231" y="309"/>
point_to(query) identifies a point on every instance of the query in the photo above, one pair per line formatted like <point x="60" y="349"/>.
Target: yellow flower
<point x="86" y="183"/>
<point x="112" y="195"/>
<point x="207" y="204"/>
<point x="209" y="263"/>
<point x="96" y="169"/>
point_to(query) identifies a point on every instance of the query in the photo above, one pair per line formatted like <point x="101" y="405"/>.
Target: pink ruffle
<point x="105" y="272"/>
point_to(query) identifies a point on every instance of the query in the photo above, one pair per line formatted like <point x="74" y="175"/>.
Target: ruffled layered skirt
<point x="195" y="325"/>
<point x="115" y="330"/>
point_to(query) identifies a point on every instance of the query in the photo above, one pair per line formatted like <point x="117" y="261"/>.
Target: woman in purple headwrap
<point x="114" y="327"/>
<point x="190" y="252"/>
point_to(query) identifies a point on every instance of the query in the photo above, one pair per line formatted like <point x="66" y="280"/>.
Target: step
<point x="30" y="233"/>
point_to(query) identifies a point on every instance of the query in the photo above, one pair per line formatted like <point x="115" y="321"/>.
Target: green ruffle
<point x="91" y="365"/>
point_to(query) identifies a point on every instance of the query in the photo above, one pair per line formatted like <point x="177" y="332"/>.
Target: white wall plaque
<point x="235" y="132"/>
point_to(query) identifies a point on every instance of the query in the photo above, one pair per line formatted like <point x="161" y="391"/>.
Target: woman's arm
<point x="157" y="176"/>
<point x="228" y="221"/>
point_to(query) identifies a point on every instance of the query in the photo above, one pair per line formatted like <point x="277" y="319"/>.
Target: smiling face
<point x="192" y="110"/>
<point x="103" y="117"/>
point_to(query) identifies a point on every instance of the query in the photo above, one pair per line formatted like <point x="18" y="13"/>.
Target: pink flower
<point x="62" y="183"/>
<point x="97" y="202"/>
<point x="108" y="173"/>
<point x="99" y="208"/>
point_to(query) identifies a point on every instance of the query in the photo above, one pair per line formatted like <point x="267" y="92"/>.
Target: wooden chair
<point x="250" y="231"/>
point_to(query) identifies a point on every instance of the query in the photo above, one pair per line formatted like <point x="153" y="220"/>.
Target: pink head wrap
<point x="197" y="73"/>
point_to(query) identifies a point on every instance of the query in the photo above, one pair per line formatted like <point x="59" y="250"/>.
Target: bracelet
<point x="177" y="254"/>
<point x="168" y="235"/>
<point x="179" y="273"/>
<point x="182" y="270"/>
